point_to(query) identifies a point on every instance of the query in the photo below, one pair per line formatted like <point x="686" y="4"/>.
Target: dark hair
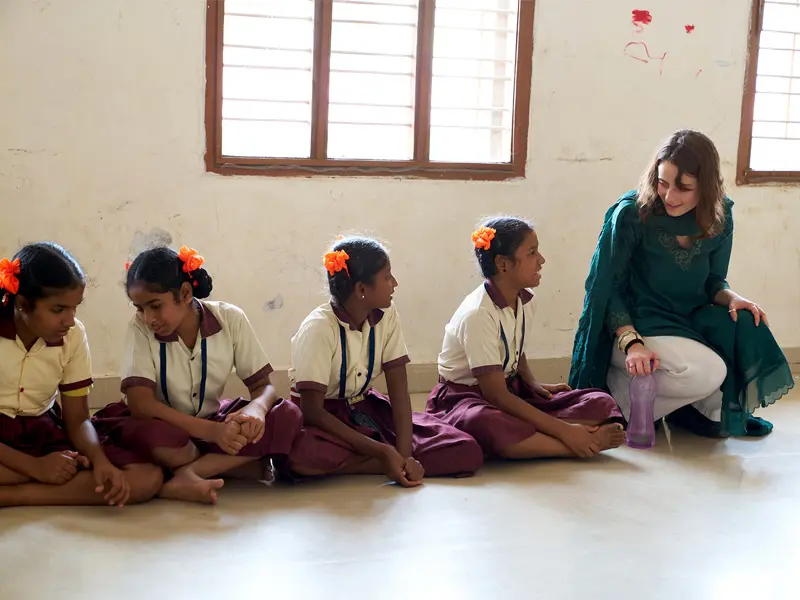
<point x="694" y="154"/>
<point x="161" y="270"/>
<point x="367" y="258"/>
<point x="44" y="269"/>
<point x="510" y="232"/>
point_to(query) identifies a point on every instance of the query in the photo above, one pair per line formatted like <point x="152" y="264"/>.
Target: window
<point x="417" y="88"/>
<point x="769" y="144"/>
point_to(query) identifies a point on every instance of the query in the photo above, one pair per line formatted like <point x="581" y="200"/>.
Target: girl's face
<point x="379" y="293"/>
<point x="52" y="317"/>
<point x="679" y="197"/>
<point x="526" y="271"/>
<point x="162" y="313"/>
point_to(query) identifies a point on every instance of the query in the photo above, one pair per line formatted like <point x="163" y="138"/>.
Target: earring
<point x="363" y="296"/>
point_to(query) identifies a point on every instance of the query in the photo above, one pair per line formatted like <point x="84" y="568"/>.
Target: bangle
<point x="625" y="339"/>
<point x="633" y="343"/>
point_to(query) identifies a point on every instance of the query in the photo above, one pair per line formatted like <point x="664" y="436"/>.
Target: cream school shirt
<point x="485" y="335"/>
<point x="230" y="342"/>
<point x="31" y="379"/>
<point x="317" y="351"/>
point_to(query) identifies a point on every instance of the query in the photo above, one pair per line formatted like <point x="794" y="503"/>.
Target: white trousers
<point x="690" y="373"/>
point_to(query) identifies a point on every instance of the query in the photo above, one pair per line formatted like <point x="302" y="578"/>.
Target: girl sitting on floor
<point x="339" y="350"/>
<point x="179" y="353"/>
<point x="486" y="386"/>
<point x="50" y="453"/>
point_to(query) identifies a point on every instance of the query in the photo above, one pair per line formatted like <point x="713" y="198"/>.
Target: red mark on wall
<point x="641" y="18"/>
<point x="689" y="28"/>
<point x="634" y="50"/>
<point x="698" y="73"/>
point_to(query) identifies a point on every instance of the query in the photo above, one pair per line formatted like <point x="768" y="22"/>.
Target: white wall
<point x="102" y="141"/>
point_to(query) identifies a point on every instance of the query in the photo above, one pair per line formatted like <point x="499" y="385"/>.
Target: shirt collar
<point x="373" y="318"/>
<point x="499" y="300"/>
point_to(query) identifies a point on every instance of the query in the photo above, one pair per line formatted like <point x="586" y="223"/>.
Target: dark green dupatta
<point x="758" y="373"/>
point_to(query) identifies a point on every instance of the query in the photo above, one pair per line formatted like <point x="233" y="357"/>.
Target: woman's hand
<point x="640" y="360"/>
<point x="738" y="303"/>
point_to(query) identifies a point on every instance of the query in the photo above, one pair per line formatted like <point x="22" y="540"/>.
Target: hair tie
<point x="128" y="265"/>
<point x="8" y="277"/>
<point x="336" y="261"/>
<point x="482" y="237"/>
<point x="191" y="260"/>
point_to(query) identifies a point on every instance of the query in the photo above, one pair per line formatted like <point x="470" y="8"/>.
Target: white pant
<point x="690" y="373"/>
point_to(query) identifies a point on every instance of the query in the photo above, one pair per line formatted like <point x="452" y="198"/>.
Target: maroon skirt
<point x="45" y="434"/>
<point x="142" y="436"/>
<point x="440" y="448"/>
<point x="464" y="407"/>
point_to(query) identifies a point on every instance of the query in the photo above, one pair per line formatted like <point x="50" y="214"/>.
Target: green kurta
<point x="640" y="275"/>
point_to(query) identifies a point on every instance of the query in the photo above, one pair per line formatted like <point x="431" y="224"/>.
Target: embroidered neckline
<point x="682" y="256"/>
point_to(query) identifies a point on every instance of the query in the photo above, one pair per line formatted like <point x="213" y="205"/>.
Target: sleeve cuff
<point x="616" y="320"/>
<point x="311" y="385"/>
<point x="79" y="393"/>
<point x="397" y="362"/>
<point x="130" y="382"/>
<point x="258" y="377"/>
<point x="486" y="369"/>
<point x="78" y="385"/>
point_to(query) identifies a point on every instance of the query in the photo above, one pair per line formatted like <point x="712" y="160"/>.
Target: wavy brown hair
<point x="693" y="153"/>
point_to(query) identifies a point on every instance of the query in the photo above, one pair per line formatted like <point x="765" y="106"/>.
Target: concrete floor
<point x="693" y="518"/>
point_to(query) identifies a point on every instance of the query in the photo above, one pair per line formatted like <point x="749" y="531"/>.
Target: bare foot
<point x="610" y="436"/>
<point x="188" y="486"/>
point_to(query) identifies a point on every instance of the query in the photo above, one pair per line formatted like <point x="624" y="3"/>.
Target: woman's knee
<point x="703" y="374"/>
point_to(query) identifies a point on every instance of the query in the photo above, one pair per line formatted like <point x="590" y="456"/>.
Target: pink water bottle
<point x="641" y="426"/>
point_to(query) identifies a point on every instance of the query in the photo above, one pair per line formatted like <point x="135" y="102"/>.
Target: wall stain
<point x="274" y="304"/>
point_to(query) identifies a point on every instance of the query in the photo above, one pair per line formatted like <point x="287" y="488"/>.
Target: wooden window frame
<point x="744" y="174"/>
<point x="417" y="167"/>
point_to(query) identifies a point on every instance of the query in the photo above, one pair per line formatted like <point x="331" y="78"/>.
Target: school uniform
<point x="333" y="355"/>
<point x="192" y="380"/>
<point x="30" y="382"/>
<point x="486" y="335"/>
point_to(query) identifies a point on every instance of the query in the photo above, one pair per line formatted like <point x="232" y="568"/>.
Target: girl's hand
<point x="738" y="303"/>
<point x="108" y="476"/>
<point x="414" y="470"/>
<point x="546" y="390"/>
<point x="639" y="359"/>
<point x="580" y="440"/>
<point x="228" y="436"/>
<point x="251" y="419"/>
<point x="395" y="466"/>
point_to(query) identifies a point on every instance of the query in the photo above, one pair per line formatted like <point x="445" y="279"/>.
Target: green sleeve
<point x="720" y="257"/>
<point x="624" y="240"/>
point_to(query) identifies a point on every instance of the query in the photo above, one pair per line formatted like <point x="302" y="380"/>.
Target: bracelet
<point x="625" y="339"/>
<point x="633" y="343"/>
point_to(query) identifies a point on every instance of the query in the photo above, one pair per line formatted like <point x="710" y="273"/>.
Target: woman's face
<point x="679" y="197"/>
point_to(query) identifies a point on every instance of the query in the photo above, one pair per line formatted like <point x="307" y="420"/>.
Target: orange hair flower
<point x="483" y="236"/>
<point x="191" y="259"/>
<point x="128" y="265"/>
<point x="8" y="275"/>
<point x="336" y="261"/>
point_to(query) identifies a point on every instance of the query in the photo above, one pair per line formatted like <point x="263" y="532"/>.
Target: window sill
<point x="363" y="168"/>
<point x="750" y="177"/>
